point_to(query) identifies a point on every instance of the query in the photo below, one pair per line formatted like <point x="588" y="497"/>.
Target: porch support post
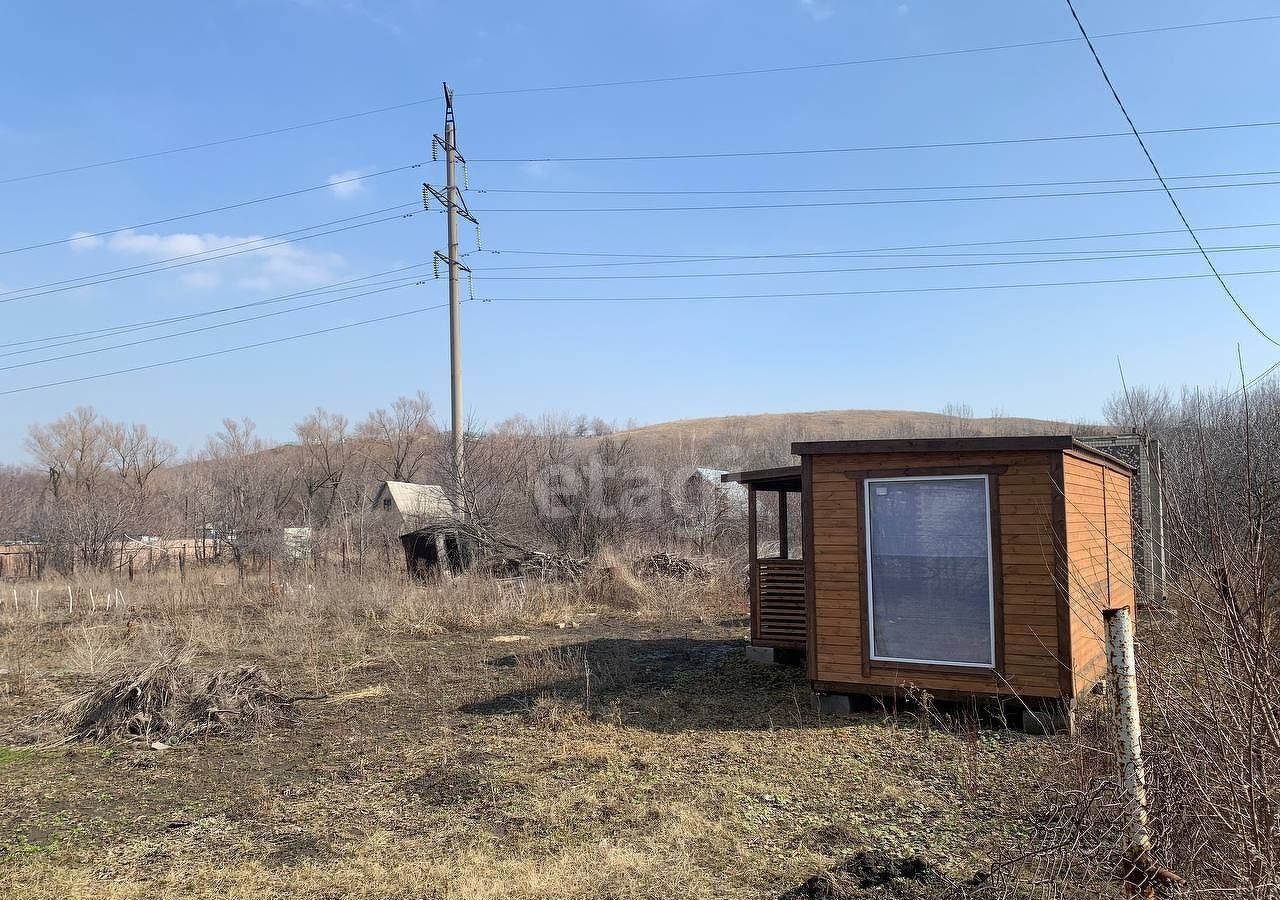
<point x="782" y="525"/>
<point x="753" y="597"/>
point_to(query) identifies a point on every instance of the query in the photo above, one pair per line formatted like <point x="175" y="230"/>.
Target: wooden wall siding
<point x="1099" y="563"/>
<point x="1026" y="501"/>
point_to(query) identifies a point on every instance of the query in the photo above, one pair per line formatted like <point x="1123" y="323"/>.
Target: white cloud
<point x="273" y="265"/>
<point x="818" y="10"/>
<point x="200" y="280"/>
<point x="346" y="184"/>
<point x="85" y="240"/>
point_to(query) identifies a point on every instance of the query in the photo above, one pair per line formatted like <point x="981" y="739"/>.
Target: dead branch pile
<point x="169" y="700"/>
<point x="664" y="565"/>
<point x="533" y="564"/>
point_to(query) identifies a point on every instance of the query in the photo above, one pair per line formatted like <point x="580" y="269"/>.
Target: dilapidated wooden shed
<point x="960" y="566"/>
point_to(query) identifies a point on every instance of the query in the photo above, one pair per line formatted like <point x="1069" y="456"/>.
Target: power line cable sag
<point x="80" y="237"/>
<point x="874" y="189"/>
<point x="409" y="104"/>
<point x="71" y="284"/>
<point x="189" y="331"/>
<point x="198" y="356"/>
<point x="872" y="291"/>
<point x="56" y="341"/>
<point x="413" y="280"/>
<point x="886" y="249"/>
<point x="1101" y="253"/>
<point x="84" y="236"/>
<point x="98" y="332"/>
<point x="480" y="273"/>
<point x="1156" y="170"/>
<point x="892" y="201"/>
<point x="876" y="148"/>
<point x="419" y="310"/>
<point x="805" y="67"/>
<point x="49" y="342"/>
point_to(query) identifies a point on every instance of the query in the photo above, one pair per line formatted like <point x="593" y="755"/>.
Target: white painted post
<point x="71" y="601"/>
<point x="1123" y="676"/>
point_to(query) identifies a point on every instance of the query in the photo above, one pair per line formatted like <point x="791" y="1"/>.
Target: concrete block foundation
<point x="831" y="704"/>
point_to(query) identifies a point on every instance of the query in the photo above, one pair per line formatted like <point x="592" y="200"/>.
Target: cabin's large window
<point x="929" y="587"/>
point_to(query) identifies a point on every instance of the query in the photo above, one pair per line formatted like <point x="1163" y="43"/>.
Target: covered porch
<point x="775" y="557"/>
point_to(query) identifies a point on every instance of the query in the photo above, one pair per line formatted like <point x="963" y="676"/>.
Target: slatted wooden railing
<point x="780" y="610"/>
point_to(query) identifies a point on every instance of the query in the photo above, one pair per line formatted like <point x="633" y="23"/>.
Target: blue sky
<point x="95" y="82"/>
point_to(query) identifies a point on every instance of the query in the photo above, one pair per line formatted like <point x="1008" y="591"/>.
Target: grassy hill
<point x="765" y="438"/>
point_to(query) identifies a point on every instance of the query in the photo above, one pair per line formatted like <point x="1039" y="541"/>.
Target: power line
<point x="1156" y="169"/>
<point x="993" y="243"/>
<point x="84" y="167"/>
<point x="877" y="148"/>
<point x="223" y="351"/>
<point x="49" y="342"/>
<point x="67" y="339"/>
<point x="189" y="331"/>
<point x="885" y="188"/>
<point x="624" y="83"/>
<point x="892" y="201"/>
<point x="71" y="284"/>
<point x="676" y="259"/>
<point x="855" y="254"/>
<point x="84" y="236"/>
<point x="906" y="268"/>
<point x="870" y="291"/>
<point x="806" y="67"/>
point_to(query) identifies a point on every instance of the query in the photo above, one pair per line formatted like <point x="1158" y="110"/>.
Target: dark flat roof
<point x="959" y="445"/>
<point x="783" y="478"/>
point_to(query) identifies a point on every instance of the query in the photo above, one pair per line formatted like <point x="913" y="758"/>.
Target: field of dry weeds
<point x="468" y="738"/>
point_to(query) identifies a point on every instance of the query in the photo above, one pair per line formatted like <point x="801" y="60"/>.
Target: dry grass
<point x="636" y="755"/>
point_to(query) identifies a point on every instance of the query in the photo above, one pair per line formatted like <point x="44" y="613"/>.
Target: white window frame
<point x="991" y="588"/>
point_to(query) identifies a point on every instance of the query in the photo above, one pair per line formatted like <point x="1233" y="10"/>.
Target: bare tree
<point x="74" y="448"/>
<point x="248" y="490"/>
<point x="1139" y="409"/>
<point x="97" y="495"/>
<point x="137" y="455"/>
<point x="402" y="437"/>
<point x="326" y="444"/>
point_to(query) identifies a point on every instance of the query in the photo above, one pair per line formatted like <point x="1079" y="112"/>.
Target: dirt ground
<point x="616" y="759"/>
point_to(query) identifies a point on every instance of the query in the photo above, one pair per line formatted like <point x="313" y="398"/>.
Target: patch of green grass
<point x="24" y="846"/>
<point x="13" y="755"/>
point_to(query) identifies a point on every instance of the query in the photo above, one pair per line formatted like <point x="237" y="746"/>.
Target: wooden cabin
<point x="965" y="566"/>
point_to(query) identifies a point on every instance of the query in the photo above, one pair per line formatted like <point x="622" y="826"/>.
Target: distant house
<point x="409" y="507"/>
<point x="708" y="507"/>
<point x="424" y="519"/>
<point x="734" y="493"/>
<point x="297" y="543"/>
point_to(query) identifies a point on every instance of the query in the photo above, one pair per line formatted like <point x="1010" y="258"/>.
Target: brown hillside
<point x="765" y="438"/>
